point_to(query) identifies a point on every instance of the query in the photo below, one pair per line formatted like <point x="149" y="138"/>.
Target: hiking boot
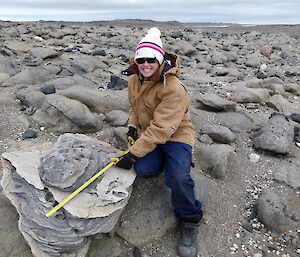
<point x="188" y="244"/>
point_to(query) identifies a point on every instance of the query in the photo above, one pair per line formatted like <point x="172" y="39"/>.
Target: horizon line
<point x="149" y="20"/>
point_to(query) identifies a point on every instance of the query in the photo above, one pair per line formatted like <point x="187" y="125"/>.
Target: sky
<point x="229" y="11"/>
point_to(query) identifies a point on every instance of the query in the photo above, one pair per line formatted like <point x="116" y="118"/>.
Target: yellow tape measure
<point x="130" y="141"/>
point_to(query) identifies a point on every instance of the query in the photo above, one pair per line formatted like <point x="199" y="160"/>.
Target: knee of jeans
<point x="177" y="178"/>
<point x="142" y="172"/>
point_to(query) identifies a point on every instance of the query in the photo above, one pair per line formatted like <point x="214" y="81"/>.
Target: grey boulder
<point x="66" y="156"/>
<point x="60" y="114"/>
<point x="250" y="95"/>
<point x="31" y="76"/>
<point x="95" y="210"/>
<point x="219" y="134"/>
<point x="98" y="101"/>
<point x="33" y="98"/>
<point x="117" y="118"/>
<point x="276" y="136"/>
<point x="8" y="66"/>
<point x="44" y="53"/>
<point x="289" y="173"/>
<point x="215" y="159"/>
<point x="271" y="211"/>
<point x="236" y="121"/>
<point x="215" y="103"/>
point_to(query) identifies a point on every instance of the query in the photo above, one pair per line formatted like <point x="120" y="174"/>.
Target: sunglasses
<point x="143" y="60"/>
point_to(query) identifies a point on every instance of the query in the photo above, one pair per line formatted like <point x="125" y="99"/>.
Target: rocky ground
<point x="247" y="162"/>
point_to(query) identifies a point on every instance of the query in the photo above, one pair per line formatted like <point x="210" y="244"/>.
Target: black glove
<point x="127" y="161"/>
<point x="133" y="132"/>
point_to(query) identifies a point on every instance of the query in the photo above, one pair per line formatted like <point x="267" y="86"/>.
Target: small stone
<point x="29" y="134"/>
<point x="116" y="83"/>
<point x="136" y="252"/>
<point x="248" y="227"/>
<point x="254" y="157"/>
<point x="272" y="248"/>
<point x="266" y="50"/>
<point x="125" y="224"/>
<point x="294" y="217"/>
<point x="261" y="75"/>
<point x="263" y="67"/>
<point x="38" y="39"/>
<point x="257" y="255"/>
<point x="99" y="52"/>
<point x="176" y="34"/>
<point x="48" y="89"/>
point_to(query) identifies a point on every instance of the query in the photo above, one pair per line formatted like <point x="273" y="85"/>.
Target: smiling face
<point x="148" y="69"/>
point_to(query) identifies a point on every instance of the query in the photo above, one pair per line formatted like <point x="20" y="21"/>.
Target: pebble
<point x="295" y="218"/>
<point x="38" y="39"/>
<point x="136" y="252"/>
<point x="48" y="89"/>
<point x="254" y="157"/>
<point x="248" y="227"/>
<point x="263" y="67"/>
<point x="29" y="134"/>
<point x="272" y="248"/>
<point x="99" y="52"/>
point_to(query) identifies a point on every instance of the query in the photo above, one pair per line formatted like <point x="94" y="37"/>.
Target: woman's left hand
<point x="127" y="161"/>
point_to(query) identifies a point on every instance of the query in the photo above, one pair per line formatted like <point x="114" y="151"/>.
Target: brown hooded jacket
<point x="159" y="107"/>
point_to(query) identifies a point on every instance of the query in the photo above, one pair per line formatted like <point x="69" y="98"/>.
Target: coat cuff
<point x="133" y="126"/>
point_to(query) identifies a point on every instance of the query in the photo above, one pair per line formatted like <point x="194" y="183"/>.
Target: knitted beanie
<point x="150" y="46"/>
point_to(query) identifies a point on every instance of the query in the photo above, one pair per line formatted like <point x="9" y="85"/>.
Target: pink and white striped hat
<point x="150" y="46"/>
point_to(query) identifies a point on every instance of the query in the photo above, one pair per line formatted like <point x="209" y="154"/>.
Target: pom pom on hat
<point x="150" y="46"/>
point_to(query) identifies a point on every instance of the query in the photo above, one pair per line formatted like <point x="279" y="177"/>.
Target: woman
<point x="159" y="121"/>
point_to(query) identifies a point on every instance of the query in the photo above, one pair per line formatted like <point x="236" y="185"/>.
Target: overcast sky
<point x="236" y="11"/>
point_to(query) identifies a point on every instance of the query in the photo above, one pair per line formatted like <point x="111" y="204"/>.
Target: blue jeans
<point x="175" y="159"/>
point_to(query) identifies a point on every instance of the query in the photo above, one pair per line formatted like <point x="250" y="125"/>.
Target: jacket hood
<point x="170" y="66"/>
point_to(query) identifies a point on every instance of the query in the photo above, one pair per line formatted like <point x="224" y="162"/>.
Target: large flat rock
<point x="95" y="210"/>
